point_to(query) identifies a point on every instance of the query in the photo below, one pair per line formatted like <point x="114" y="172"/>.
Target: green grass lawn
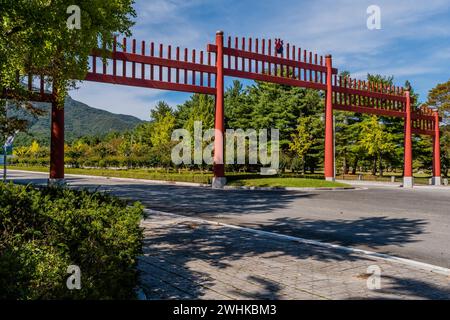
<point x="235" y="179"/>
<point x="286" y="182"/>
<point x="149" y="174"/>
<point x="419" y="178"/>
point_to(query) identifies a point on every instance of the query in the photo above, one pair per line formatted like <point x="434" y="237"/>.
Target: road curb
<point x="190" y="184"/>
<point x="193" y="184"/>
<point x="391" y="185"/>
<point x="292" y="188"/>
<point x="367" y="253"/>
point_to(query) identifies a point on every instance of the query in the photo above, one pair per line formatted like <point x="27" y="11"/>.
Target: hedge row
<point x="111" y="161"/>
<point x="43" y="231"/>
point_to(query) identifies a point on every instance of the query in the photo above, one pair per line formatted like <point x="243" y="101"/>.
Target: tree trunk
<point x="380" y="165"/>
<point x="344" y="164"/>
<point x="57" y="133"/>
<point x="355" y="165"/>
<point x="374" y="167"/>
<point x="303" y="165"/>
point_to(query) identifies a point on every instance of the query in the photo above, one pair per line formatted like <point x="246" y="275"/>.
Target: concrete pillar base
<point x="219" y="182"/>
<point x="268" y="171"/>
<point x="436" y="181"/>
<point x="330" y="179"/>
<point x="56" y="183"/>
<point x="408" y="182"/>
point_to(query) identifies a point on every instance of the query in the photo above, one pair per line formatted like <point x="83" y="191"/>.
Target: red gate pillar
<point x="57" y="145"/>
<point x="436" y="152"/>
<point x="407" y="176"/>
<point x="329" y="148"/>
<point x="219" y="179"/>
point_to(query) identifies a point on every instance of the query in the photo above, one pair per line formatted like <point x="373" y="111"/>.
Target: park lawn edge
<point x="277" y="182"/>
<point x="273" y="182"/>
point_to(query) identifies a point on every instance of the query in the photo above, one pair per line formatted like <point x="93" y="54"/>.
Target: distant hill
<point x="80" y="120"/>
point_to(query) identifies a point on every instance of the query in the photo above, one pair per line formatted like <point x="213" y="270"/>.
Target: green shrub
<point x="43" y="231"/>
<point x="91" y="161"/>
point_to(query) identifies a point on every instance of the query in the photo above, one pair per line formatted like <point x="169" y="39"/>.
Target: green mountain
<point x="80" y="120"/>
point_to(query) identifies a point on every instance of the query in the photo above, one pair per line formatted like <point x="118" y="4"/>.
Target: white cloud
<point x="166" y="21"/>
<point x="405" y="71"/>
<point x="340" y="26"/>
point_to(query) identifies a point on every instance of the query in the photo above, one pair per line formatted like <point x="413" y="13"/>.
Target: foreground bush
<point x="43" y="231"/>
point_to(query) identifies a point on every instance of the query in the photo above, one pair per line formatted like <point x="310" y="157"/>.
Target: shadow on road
<point x="190" y="243"/>
<point x="191" y="201"/>
<point x="404" y="287"/>
<point x="191" y="252"/>
<point x="205" y="202"/>
<point x="372" y="232"/>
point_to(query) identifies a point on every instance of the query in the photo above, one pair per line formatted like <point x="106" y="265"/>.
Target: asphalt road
<point x="413" y="224"/>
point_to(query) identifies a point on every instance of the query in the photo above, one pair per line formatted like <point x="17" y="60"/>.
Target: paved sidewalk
<point x="185" y="258"/>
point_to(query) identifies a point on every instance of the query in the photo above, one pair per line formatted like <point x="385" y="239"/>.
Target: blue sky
<point x="413" y="43"/>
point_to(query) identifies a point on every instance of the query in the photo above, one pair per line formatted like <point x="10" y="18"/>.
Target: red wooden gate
<point x="172" y="68"/>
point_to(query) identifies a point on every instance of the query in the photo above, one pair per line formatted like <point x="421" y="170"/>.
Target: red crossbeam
<point x="273" y="79"/>
<point x="423" y="132"/>
<point x="269" y="59"/>
<point x="144" y="83"/>
<point x="33" y="93"/>
<point x="164" y="70"/>
<point x="369" y="94"/>
<point x="368" y="110"/>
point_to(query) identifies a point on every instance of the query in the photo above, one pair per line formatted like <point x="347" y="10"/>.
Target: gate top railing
<point x="33" y="89"/>
<point x="265" y="61"/>
<point x="185" y="71"/>
<point x="368" y="97"/>
<point x="423" y="120"/>
<point x="386" y="100"/>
